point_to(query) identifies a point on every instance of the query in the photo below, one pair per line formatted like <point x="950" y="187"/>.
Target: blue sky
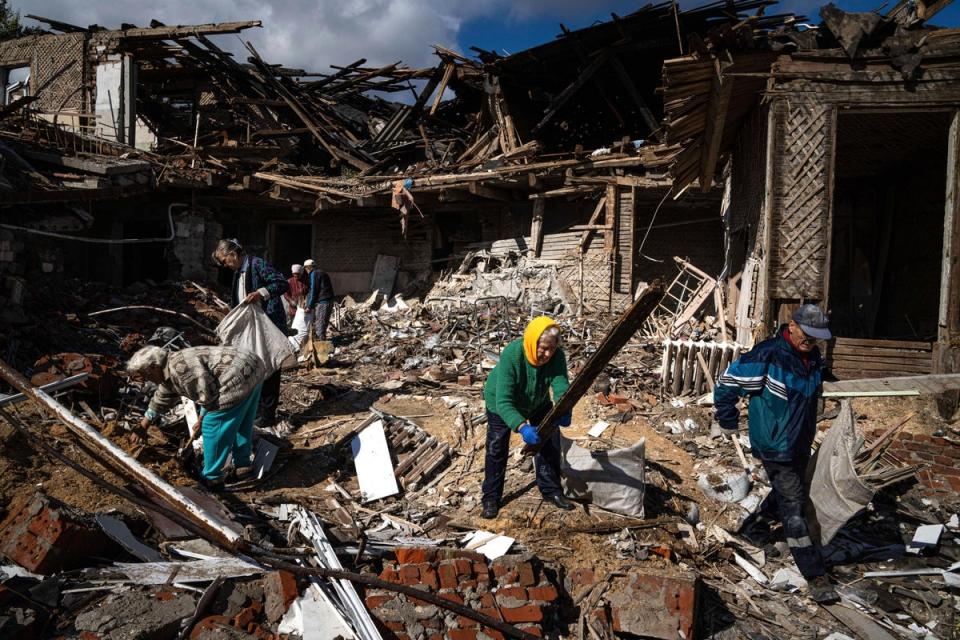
<point x="314" y="34"/>
<point x="515" y="33"/>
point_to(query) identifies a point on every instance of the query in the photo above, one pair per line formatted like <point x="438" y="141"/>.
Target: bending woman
<point x="517" y="396"/>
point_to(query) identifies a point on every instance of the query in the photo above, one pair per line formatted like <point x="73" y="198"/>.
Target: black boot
<point x="822" y="591"/>
<point x="559" y="501"/>
<point x="490" y="510"/>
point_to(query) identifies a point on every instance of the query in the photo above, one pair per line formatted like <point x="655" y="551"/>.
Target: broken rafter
<point x="170" y="33"/>
<point x="572" y="88"/>
<point x="118" y="458"/>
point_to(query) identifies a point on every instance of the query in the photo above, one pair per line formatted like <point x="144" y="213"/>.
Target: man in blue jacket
<point x="257" y="281"/>
<point x="782" y="377"/>
<point x="319" y="298"/>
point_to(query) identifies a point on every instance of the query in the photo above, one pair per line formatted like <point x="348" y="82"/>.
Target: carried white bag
<point x="836" y="492"/>
<point x="249" y="328"/>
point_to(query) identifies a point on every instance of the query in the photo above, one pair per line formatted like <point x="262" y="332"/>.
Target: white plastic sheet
<point x="613" y="480"/>
<point x="247" y="327"/>
<point x="836" y="493"/>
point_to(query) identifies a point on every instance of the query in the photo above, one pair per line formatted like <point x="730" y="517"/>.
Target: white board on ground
<point x="488" y="543"/>
<point x="371" y="455"/>
<point x="597" y="430"/>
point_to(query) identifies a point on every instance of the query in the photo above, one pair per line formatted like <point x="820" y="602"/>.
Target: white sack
<point x="302" y="322"/>
<point x="837" y="494"/>
<point x="612" y="479"/>
<point x="247" y="327"/>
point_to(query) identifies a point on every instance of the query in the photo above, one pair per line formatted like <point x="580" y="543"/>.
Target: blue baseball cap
<point x="814" y="322"/>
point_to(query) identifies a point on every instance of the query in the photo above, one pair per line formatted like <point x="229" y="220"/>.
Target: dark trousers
<point x="547" y="461"/>
<point x="785" y="502"/>
<point x="270" y="398"/>
<point x="321" y="318"/>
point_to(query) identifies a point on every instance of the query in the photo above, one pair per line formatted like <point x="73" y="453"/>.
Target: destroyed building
<point x="746" y="159"/>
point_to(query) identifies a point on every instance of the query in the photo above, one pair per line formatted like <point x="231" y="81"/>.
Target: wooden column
<point x="536" y="227"/>
<point x="946" y="357"/>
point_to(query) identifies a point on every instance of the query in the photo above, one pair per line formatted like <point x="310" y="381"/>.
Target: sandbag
<point x="612" y="479"/>
<point x="302" y="324"/>
<point x="247" y="327"/>
<point x="836" y="493"/>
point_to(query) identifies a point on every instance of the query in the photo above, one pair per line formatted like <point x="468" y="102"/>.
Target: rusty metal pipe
<point x="120" y="458"/>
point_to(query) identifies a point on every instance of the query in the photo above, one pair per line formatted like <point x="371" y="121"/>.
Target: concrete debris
<point x="667" y="212"/>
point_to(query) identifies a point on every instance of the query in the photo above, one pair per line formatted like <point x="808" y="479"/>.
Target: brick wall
<point x="56" y="65"/>
<point x="939" y="459"/>
<point x="512" y="588"/>
<point x="346" y="246"/>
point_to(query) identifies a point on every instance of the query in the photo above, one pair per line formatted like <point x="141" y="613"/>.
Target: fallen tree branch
<point x="143" y="307"/>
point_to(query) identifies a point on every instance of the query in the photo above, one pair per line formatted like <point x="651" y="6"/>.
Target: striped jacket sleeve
<point x="746" y="376"/>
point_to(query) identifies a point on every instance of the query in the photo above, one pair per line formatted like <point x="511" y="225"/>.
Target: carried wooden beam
<point x="621" y="332"/>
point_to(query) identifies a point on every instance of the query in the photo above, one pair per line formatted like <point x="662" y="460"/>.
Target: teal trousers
<point x="228" y="431"/>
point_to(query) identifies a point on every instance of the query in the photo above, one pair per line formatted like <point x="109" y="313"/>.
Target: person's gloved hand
<point x="565" y="420"/>
<point x="529" y="434"/>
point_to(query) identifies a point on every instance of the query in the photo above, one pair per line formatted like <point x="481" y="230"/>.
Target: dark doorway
<point x="145" y="261"/>
<point x="292" y="244"/>
<point x="886" y="249"/>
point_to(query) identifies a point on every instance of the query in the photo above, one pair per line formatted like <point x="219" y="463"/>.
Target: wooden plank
<point x="949" y="309"/>
<point x="880" y="359"/>
<point x="878" y="353"/>
<point x="722" y="89"/>
<point x="618" y="335"/>
<point x="536" y="227"/>
<point x="447" y="73"/>
<point x="892" y="369"/>
<point x="557" y="103"/>
<point x="925" y="384"/>
<point x="895" y="344"/>
<point x="99" y="165"/>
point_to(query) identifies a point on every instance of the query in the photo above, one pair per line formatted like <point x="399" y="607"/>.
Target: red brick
<point x="43" y="536"/>
<point x="208" y="624"/>
<point x="914" y="446"/>
<point x="280" y="589"/>
<point x="376" y="601"/>
<point x="447" y="574"/>
<point x="919" y="437"/>
<point x="464" y="621"/>
<point x="601" y="615"/>
<point x="954" y="483"/>
<point x="453" y="554"/>
<point x="395" y="625"/>
<point x="462" y="634"/>
<point x="583" y="577"/>
<point x="389" y="574"/>
<point x="452" y="596"/>
<point x="436" y="636"/>
<point x="245" y="617"/>
<point x="88" y="635"/>
<point x="467" y="584"/>
<point x="490" y="612"/>
<point x="512" y="592"/>
<point x="486" y="600"/>
<point x="546" y="593"/>
<point x="531" y="629"/>
<point x="493" y="633"/>
<point x="526" y="613"/>
<point x="428" y="576"/>
<point x="409" y="574"/>
<point x="655" y="605"/>
<point x="401" y="636"/>
<point x="464" y="567"/>
<point x="940" y="442"/>
<point x="415" y="555"/>
<point x="481" y="568"/>
<point x="946" y="461"/>
<point x="526" y="576"/>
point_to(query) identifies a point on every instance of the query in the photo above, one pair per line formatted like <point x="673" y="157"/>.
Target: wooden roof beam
<point x="169" y="33"/>
<point x="722" y="88"/>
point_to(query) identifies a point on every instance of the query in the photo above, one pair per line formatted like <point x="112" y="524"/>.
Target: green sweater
<point x="515" y="388"/>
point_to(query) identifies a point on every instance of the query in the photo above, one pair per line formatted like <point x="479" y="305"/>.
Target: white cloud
<point x="312" y="34"/>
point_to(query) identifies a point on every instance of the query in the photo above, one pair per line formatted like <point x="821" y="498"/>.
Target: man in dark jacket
<point x="319" y="298"/>
<point x="782" y="377"/>
<point x="257" y="281"/>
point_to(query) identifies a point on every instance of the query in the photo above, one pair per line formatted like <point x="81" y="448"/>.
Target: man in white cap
<point x="319" y="298"/>
<point x="782" y="377"/>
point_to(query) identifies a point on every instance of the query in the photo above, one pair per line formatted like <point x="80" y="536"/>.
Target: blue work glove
<point x="529" y="434"/>
<point x="565" y="420"/>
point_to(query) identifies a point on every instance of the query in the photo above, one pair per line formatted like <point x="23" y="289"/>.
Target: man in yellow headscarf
<point x="517" y="395"/>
